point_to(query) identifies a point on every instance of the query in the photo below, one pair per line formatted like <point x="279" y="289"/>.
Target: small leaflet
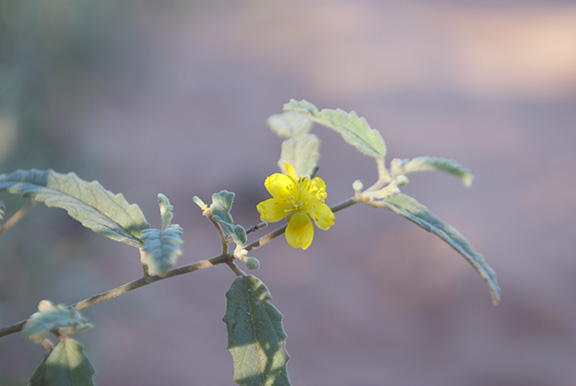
<point x="256" y="338"/>
<point x="165" y="210"/>
<point x="161" y="247"/>
<point x="301" y="152"/>
<point x="424" y="164"/>
<point x="355" y="130"/>
<point x="88" y="202"/>
<point x="220" y="208"/>
<point x="49" y="318"/>
<point x="289" y="124"/>
<point x="300" y="148"/>
<point x="66" y="365"/>
<point x="412" y="210"/>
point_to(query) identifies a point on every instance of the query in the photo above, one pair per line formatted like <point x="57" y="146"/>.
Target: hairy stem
<point x="202" y="264"/>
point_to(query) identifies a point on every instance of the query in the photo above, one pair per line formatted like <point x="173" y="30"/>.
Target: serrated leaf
<point x="301" y="152"/>
<point x="161" y="249"/>
<point x="60" y="318"/>
<point x="220" y="208"/>
<point x="412" y="210"/>
<point x="256" y="337"/>
<point x="88" y="202"/>
<point x="66" y="365"/>
<point x="355" y="130"/>
<point x="289" y="124"/>
<point x="423" y="164"/>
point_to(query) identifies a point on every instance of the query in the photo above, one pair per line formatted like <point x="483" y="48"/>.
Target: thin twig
<point x="254" y="228"/>
<point x="17" y="216"/>
<point x="115" y="292"/>
<point x="235" y="268"/>
<point x="202" y="264"/>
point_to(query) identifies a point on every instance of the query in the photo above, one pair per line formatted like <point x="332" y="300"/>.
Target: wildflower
<point x="300" y="200"/>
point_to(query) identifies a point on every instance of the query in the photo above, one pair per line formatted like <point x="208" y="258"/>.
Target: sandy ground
<point x="376" y="300"/>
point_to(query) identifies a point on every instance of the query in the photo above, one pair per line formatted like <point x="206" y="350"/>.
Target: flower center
<point x="305" y="193"/>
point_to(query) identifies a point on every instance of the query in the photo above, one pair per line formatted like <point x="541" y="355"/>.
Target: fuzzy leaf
<point x="256" y="337"/>
<point x="221" y="206"/>
<point x="289" y="124"/>
<point x="60" y="318"/>
<point x="88" y="202"/>
<point x="165" y="210"/>
<point x="66" y="365"/>
<point x="355" y="130"/>
<point x="423" y="164"/>
<point x="161" y="249"/>
<point x="301" y="152"/>
<point x="412" y="210"/>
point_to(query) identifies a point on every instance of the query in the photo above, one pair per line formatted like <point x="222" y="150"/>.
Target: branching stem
<point x="202" y="264"/>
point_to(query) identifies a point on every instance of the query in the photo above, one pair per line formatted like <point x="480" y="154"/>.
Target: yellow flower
<point x="300" y="200"/>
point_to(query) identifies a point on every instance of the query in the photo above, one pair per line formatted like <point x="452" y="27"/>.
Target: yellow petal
<point x="300" y="231"/>
<point x="272" y="210"/>
<point x="290" y="172"/>
<point x="278" y="185"/>
<point x="322" y="215"/>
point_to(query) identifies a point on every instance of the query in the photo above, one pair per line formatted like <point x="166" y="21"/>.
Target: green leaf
<point x="423" y="164"/>
<point x="301" y="152"/>
<point x="300" y="149"/>
<point x="412" y="210"/>
<point x="256" y="337"/>
<point x="60" y="319"/>
<point x="161" y="249"/>
<point x="66" y="365"/>
<point x="165" y="210"/>
<point x="220" y="208"/>
<point x="289" y="124"/>
<point x="355" y="130"/>
<point x="88" y="202"/>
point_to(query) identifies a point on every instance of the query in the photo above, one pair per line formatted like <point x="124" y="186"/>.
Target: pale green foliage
<point x="88" y="202"/>
<point x="256" y="337"/>
<point x="49" y="318"/>
<point x="300" y="148"/>
<point x="252" y="263"/>
<point x="301" y="152"/>
<point x="423" y="164"/>
<point x="289" y="124"/>
<point x="161" y="247"/>
<point x="355" y="130"/>
<point x="411" y="209"/>
<point x="220" y="208"/>
<point x="66" y="365"/>
<point x="165" y="210"/>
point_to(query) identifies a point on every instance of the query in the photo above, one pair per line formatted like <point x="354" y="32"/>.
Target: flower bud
<point x="252" y="263"/>
<point x="402" y="180"/>
<point x="357" y="185"/>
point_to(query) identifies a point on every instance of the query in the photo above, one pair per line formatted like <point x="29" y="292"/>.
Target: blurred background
<point x="172" y="97"/>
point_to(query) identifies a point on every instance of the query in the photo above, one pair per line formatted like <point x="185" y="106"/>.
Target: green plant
<point x="256" y="337"/>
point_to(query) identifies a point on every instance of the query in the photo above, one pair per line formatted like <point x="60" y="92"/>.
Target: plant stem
<point x="202" y="264"/>
<point x="17" y="216"/>
<point x="115" y="292"/>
